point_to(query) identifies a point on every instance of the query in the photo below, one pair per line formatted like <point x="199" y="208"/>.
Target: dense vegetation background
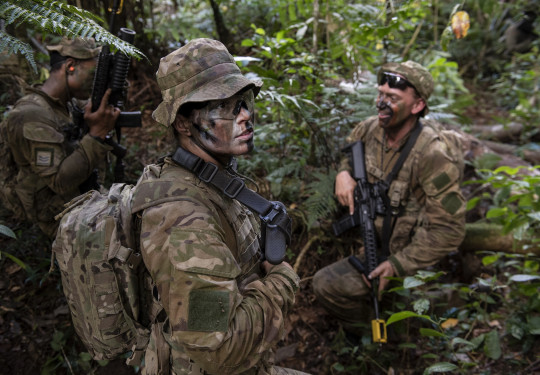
<point x="477" y="312"/>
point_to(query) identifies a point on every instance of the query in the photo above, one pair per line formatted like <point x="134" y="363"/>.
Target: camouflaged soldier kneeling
<point x="225" y="309"/>
<point x="424" y="199"/>
<point x="50" y="158"/>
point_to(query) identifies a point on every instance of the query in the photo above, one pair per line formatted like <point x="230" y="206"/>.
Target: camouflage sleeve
<point x="47" y="156"/>
<point x="441" y="226"/>
<point x="220" y="328"/>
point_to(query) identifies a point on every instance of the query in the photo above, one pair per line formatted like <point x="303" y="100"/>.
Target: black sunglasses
<point x="395" y="81"/>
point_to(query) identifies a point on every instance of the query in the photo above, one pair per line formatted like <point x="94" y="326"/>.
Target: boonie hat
<point x="78" y="48"/>
<point x="416" y="74"/>
<point x="200" y="71"/>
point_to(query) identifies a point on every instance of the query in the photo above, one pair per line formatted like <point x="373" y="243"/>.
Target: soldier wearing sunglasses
<point x="423" y="200"/>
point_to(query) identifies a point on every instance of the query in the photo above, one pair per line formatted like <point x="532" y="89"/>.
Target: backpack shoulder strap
<point x="276" y="223"/>
<point x="232" y="186"/>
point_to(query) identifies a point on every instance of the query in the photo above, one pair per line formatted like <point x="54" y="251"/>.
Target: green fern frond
<point x="13" y="45"/>
<point x="320" y="202"/>
<point x="62" y="19"/>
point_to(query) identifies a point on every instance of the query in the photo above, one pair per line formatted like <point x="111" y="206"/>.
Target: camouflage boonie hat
<point x="413" y="72"/>
<point x="77" y="48"/>
<point x="200" y="71"/>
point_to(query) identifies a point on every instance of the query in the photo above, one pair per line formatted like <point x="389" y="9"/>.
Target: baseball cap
<point x="78" y="48"/>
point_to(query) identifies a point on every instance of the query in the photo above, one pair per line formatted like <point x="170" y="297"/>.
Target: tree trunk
<point x="489" y="237"/>
<point x="223" y="32"/>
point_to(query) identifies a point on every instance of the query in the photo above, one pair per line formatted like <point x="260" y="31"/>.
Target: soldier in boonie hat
<point x="208" y="238"/>
<point x="201" y="71"/>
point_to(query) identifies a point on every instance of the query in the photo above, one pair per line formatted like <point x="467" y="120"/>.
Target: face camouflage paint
<point x="229" y="108"/>
<point x="226" y="126"/>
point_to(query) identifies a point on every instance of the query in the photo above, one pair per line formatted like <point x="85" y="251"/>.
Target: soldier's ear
<point x="70" y="66"/>
<point x="418" y="106"/>
<point x="182" y="125"/>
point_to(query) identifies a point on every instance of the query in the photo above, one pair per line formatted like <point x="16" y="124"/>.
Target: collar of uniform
<point x="53" y="102"/>
<point x="379" y="135"/>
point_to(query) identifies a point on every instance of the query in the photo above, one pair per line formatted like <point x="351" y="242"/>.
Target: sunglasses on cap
<point x="395" y="81"/>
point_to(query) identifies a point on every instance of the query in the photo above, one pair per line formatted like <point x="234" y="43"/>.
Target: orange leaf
<point x="449" y="323"/>
<point x="460" y="24"/>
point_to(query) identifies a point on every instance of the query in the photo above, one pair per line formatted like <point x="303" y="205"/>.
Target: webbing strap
<point x="405" y="153"/>
<point x="232" y="187"/>
<point x="276" y="224"/>
<point x="387" y="221"/>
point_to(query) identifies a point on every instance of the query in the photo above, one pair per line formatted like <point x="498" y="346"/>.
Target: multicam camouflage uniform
<point x="427" y="193"/>
<point x="51" y="162"/>
<point x="202" y="248"/>
<point x="203" y="253"/>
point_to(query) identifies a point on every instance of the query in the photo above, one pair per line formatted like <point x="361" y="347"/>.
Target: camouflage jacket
<point x="426" y="192"/>
<point x="203" y="253"/>
<point x="51" y="164"/>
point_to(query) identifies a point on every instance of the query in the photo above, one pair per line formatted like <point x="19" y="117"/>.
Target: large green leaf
<point x="405" y="315"/>
<point x="492" y="345"/>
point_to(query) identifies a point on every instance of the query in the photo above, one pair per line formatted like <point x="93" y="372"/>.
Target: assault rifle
<point x="367" y="203"/>
<point x="111" y="72"/>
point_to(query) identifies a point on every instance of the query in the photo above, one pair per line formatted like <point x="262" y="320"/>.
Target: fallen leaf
<point x="449" y="323"/>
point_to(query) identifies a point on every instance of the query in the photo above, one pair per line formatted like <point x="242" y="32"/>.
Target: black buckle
<point x="134" y="260"/>
<point x="208" y="172"/>
<point x="235" y="183"/>
<point x="273" y="212"/>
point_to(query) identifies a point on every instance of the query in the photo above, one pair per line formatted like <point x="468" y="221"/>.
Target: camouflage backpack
<point x="101" y="277"/>
<point x="108" y="291"/>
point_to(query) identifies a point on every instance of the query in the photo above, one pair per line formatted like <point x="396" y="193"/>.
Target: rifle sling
<point x="387" y="221"/>
<point x="232" y="187"/>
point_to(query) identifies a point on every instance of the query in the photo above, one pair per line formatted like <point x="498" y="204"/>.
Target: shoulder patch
<point x="208" y="310"/>
<point x="44" y="157"/>
<point x="452" y="203"/>
<point x="39" y="132"/>
<point x="441" y="181"/>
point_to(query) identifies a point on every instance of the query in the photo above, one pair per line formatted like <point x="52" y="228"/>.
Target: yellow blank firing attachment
<point x="378" y="330"/>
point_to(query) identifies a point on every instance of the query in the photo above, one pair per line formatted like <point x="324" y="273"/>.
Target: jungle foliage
<point x="318" y="61"/>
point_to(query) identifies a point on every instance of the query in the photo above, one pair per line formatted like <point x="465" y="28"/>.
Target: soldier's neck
<point x="55" y="87"/>
<point x="188" y="144"/>
<point x="395" y="135"/>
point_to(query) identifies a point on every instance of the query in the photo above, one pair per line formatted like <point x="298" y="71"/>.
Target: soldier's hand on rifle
<point x="383" y="270"/>
<point x="267" y="266"/>
<point x="102" y="121"/>
<point x="345" y="186"/>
